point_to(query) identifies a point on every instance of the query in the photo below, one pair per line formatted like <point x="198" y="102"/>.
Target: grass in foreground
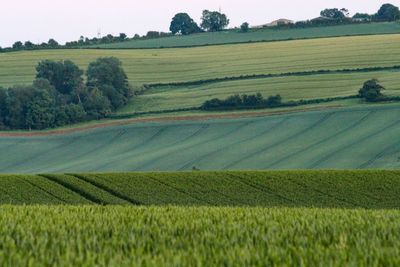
<point x="324" y="189"/>
<point x="212" y="38"/>
<point x="177" y="236"/>
<point x="178" y="65"/>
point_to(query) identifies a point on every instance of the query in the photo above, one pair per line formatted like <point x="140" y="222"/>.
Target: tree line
<point x="60" y="96"/>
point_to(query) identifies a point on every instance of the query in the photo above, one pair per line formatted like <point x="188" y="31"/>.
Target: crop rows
<point x="325" y="189"/>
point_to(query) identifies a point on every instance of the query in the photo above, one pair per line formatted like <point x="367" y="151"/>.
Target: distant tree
<point x="52" y="43"/>
<point x="65" y="76"/>
<point x="371" y="91"/>
<point x="152" y="35"/>
<point x="213" y="21"/>
<point x="122" y="36"/>
<point x="244" y="27"/>
<point x="29" y="45"/>
<point x="109" y="77"/>
<point x="18" y="45"/>
<point x="182" y="23"/>
<point x="335" y="13"/>
<point x="388" y="12"/>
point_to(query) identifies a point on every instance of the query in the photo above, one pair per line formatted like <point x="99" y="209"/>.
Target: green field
<point x="290" y="88"/>
<point x="213" y="38"/>
<point x="346" y="138"/>
<point x="178" y="236"/>
<point x="305" y="189"/>
<point x="178" y="65"/>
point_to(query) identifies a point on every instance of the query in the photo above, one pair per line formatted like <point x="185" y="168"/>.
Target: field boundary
<point x="271" y="75"/>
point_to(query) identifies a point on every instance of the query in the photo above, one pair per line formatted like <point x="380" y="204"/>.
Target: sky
<point x="66" y="20"/>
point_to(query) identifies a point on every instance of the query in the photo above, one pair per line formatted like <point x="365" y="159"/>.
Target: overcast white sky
<point x="66" y="20"/>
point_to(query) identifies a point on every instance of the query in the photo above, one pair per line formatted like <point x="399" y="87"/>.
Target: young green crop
<point x="324" y="189"/>
<point x="176" y="236"/>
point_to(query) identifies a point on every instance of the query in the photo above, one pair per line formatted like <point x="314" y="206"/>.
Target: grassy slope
<point x="177" y="236"/>
<point x="258" y="35"/>
<point x="290" y="88"/>
<point x="325" y="189"/>
<point x="177" y="65"/>
<point x="363" y="137"/>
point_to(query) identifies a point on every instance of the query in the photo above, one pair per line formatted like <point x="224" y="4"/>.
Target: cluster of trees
<point x="243" y="101"/>
<point x="59" y="96"/>
<point x="211" y="21"/>
<point x="335" y="16"/>
<point x="372" y="91"/>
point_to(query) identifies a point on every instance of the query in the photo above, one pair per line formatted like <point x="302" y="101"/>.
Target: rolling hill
<point x="347" y="138"/>
<point x="191" y="64"/>
<point x="296" y="87"/>
<point x="323" y="189"/>
<point x="259" y="35"/>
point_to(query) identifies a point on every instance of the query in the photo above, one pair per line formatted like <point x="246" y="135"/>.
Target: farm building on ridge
<point x="276" y="23"/>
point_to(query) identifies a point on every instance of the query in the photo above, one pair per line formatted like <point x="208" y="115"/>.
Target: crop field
<point x="295" y="189"/>
<point x="179" y="65"/>
<point x="213" y="38"/>
<point x="290" y="88"/>
<point x="346" y="138"/>
<point x="207" y="236"/>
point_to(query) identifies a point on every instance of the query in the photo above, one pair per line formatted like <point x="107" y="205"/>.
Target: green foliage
<point x="214" y="21"/>
<point x="243" y="101"/>
<point x="371" y="91"/>
<point x="183" y="24"/>
<point x="334" y="13"/>
<point x="65" y="76"/>
<point x="245" y="27"/>
<point x="108" y="76"/>
<point x="58" y="96"/>
<point x="183" y="236"/>
<point x="388" y="12"/>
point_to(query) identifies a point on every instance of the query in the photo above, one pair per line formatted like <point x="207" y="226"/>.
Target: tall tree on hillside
<point x="182" y="23"/>
<point x="108" y="76"/>
<point x="388" y="12"/>
<point x="245" y="27"/>
<point x="371" y="91"/>
<point x="213" y="21"/>
<point x="65" y="76"/>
